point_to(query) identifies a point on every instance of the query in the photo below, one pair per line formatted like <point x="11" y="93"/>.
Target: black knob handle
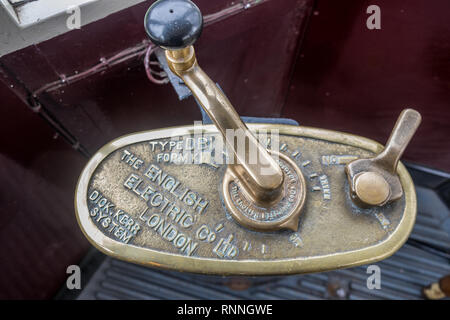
<point x="173" y="24"/>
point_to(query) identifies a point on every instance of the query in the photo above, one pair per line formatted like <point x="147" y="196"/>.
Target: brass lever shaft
<point x="404" y="129"/>
<point x="263" y="179"/>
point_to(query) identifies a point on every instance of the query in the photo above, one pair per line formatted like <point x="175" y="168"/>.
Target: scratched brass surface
<point x="333" y="232"/>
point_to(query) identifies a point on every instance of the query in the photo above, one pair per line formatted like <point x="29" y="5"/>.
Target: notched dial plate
<point x="140" y="199"/>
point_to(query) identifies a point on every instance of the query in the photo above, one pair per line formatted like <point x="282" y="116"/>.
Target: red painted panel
<point x="38" y="230"/>
<point x="352" y="79"/>
<point x="250" y="54"/>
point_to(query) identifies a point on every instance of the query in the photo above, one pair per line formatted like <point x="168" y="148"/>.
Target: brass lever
<point x="261" y="181"/>
<point x="375" y="181"/>
<point x="263" y="186"/>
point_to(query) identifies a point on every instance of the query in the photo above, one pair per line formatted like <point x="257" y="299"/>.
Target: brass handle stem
<point x="404" y="129"/>
<point x="263" y="179"/>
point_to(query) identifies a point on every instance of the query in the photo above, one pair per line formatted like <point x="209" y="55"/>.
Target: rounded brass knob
<point x="372" y="188"/>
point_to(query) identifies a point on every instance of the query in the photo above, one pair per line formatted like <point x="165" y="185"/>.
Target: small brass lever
<point x="255" y="176"/>
<point x="375" y="181"/>
<point x="262" y="186"/>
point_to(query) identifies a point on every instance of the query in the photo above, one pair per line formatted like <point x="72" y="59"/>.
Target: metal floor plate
<point x="424" y="259"/>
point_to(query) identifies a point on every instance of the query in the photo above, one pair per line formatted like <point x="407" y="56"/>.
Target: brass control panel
<point x="234" y="198"/>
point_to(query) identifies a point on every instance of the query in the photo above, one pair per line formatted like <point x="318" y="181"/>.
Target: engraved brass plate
<point x="139" y="200"/>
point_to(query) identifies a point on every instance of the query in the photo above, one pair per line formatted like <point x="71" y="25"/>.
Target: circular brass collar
<point x="275" y="215"/>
